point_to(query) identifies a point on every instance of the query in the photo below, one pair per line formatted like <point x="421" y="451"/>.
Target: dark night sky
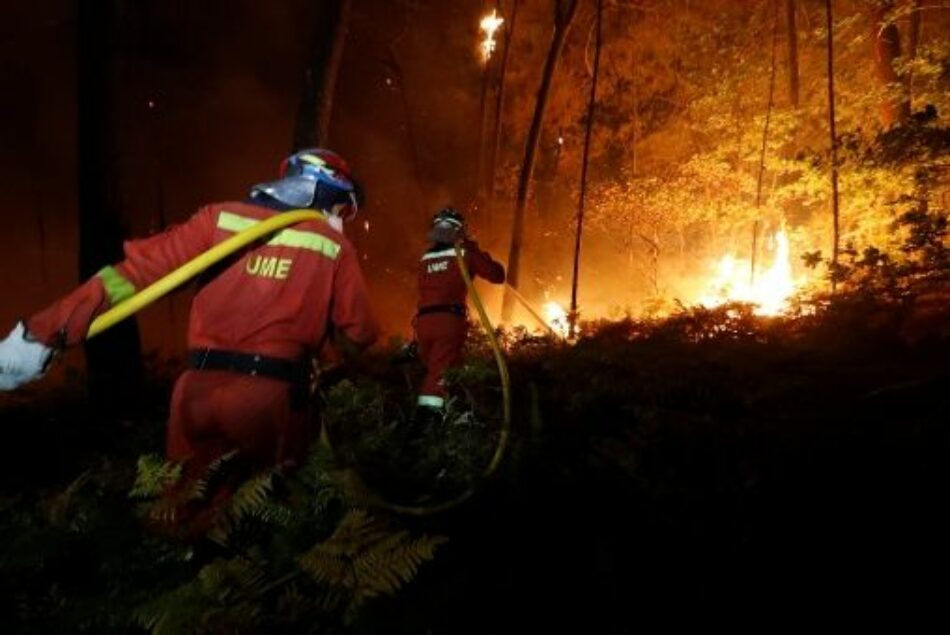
<point x="224" y="78"/>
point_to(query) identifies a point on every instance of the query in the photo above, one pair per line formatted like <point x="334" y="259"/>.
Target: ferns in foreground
<point x="365" y="558"/>
<point x="292" y="552"/>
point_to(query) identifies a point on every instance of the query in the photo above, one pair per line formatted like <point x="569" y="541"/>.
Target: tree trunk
<point x="834" y="144"/>
<point x="319" y="80"/>
<point x="591" y="106"/>
<point x="913" y="40"/>
<point x="113" y="360"/>
<point x="765" y="140"/>
<point x="500" y="97"/>
<point x="887" y="48"/>
<point x="565" y="10"/>
<point x="792" y="24"/>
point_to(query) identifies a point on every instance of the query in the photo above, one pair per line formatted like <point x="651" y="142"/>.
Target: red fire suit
<point x="277" y="299"/>
<point x="441" y="325"/>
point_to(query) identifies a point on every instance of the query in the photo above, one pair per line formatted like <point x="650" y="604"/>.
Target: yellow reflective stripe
<point x="284" y="238"/>
<point x="117" y="287"/>
<point x="234" y="223"/>
<point x="306" y="240"/>
<point x="445" y="253"/>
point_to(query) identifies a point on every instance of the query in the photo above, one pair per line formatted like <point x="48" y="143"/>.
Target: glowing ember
<point x="488" y="26"/>
<point x="770" y="290"/>
<point x="556" y="317"/>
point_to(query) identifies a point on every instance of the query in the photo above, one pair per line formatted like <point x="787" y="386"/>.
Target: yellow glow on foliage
<point x="488" y="25"/>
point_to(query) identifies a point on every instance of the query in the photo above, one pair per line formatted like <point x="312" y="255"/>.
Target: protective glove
<point x="22" y="359"/>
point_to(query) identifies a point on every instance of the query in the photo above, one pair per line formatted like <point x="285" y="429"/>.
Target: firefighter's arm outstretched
<point x="27" y="351"/>
<point x="481" y="264"/>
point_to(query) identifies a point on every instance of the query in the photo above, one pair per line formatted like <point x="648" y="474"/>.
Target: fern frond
<point x="215" y="601"/>
<point x="365" y="559"/>
<point x="154" y="475"/>
<point x="177" y="611"/>
<point x="198" y="488"/>
<point x="251" y="501"/>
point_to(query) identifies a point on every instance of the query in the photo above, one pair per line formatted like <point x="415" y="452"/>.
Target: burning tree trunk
<point x="834" y="141"/>
<point x="488" y="26"/>
<point x="591" y="105"/>
<point x="500" y="98"/>
<point x="792" y="24"/>
<point x="565" y="10"/>
<point x="114" y="359"/>
<point x="319" y="82"/>
<point x="887" y="48"/>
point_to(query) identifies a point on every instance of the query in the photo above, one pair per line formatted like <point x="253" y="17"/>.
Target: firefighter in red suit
<point x="254" y="322"/>
<point x="441" y="320"/>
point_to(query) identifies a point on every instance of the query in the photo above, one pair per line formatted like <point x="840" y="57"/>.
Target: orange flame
<point x="488" y="25"/>
<point x="769" y="291"/>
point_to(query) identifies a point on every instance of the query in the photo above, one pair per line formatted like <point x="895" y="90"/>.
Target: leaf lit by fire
<point x="488" y="26"/>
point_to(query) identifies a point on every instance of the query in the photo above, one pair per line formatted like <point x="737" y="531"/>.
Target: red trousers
<point x="216" y="412"/>
<point x="441" y="337"/>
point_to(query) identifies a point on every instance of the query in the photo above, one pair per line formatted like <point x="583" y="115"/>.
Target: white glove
<point x="22" y="360"/>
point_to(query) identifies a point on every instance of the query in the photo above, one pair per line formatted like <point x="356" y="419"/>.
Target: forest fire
<point x="769" y="290"/>
<point x="557" y="318"/>
<point x="489" y="25"/>
<point x="694" y="356"/>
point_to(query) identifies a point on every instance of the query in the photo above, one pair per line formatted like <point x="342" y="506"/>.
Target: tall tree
<point x="585" y="161"/>
<point x="500" y="95"/>
<point x="829" y="20"/>
<point x="564" y="12"/>
<point x="913" y="40"/>
<point x="765" y="141"/>
<point x="113" y="359"/>
<point x="887" y="48"/>
<point x="319" y="77"/>
<point x="485" y="102"/>
<point x="792" y="25"/>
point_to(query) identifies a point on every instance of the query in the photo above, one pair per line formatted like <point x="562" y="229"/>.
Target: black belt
<point x="247" y="364"/>
<point x="455" y="309"/>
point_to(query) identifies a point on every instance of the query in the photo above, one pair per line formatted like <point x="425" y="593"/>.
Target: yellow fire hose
<point x="264" y="228"/>
<point x="527" y="305"/>
<point x="499" y="360"/>
<point x="504" y="434"/>
<point x="190" y="269"/>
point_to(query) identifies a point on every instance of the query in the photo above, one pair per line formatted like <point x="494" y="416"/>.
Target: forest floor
<point x="712" y="462"/>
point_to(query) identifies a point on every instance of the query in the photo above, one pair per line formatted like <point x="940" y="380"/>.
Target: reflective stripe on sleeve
<point x="117" y="287"/>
